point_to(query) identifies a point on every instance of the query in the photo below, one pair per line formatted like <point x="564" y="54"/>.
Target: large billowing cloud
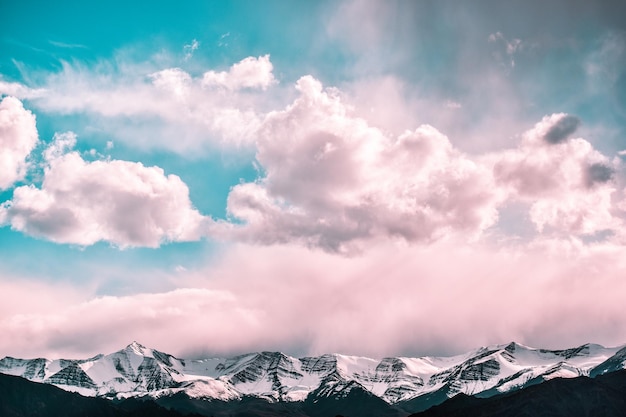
<point x="121" y="202"/>
<point x="331" y="180"/>
<point x="18" y="137"/>
<point x="415" y="300"/>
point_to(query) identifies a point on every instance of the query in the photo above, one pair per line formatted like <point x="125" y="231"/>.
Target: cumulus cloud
<point x="329" y="179"/>
<point x="332" y="180"/>
<point x="121" y="202"/>
<point x="172" y="80"/>
<point x="250" y="72"/>
<point x="567" y="183"/>
<point x="18" y="137"/>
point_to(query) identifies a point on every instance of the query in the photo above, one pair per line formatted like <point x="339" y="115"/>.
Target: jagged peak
<point x="513" y="346"/>
<point x="274" y="374"/>
<point x="274" y="354"/>
<point x="137" y="348"/>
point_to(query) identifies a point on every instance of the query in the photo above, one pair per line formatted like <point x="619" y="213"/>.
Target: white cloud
<point x="61" y="144"/>
<point x="332" y="180"/>
<point x="190" y="48"/>
<point x="174" y="81"/>
<point x="18" y="137"/>
<point x="19" y="90"/>
<point x="147" y="108"/>
<point x="124" y="203"/>
<point x="248" y="73"/>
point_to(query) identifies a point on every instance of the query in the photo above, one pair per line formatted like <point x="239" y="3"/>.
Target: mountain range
<point x="329" y="384"/>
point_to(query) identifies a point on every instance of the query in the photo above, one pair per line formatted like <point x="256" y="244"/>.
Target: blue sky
<point x="231" y="151"/>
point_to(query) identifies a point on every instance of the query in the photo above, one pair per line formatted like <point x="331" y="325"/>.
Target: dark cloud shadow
<point x="599" y="173"/>
<point x="562" y="129"/>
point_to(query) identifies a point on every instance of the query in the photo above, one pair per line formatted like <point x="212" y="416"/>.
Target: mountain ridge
<point x="411" y="384"/>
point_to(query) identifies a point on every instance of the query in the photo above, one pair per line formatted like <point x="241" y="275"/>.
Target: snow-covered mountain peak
<point x="515" y="346"/>
<point x="137" y="370"/>
<point x="138" y="349"/>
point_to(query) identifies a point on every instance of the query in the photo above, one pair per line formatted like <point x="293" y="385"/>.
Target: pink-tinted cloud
<point x="568" y="184"/>
<point x="248" y="73"/>
<point x="440" y="299"/>
<point x="124" y="203"/>
<point x="331" y="180"/>
<point x="217" y="108"/>
<point x="18" y="137"/>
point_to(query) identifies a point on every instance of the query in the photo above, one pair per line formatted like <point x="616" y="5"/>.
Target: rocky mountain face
<point x="560" y="397"/>
<point x="409" y="384"/>
<point x="22" y="398"/>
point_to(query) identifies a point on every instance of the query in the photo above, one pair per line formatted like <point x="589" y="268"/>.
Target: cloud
<point x="248" y="73"/>
<point x="18" y="137"/>
<point x="505" y="54"/>
<point x="362" y="25"/>
<point x="331" y="180"/>
<point x="454" y="105"/>
<point x="67" y="45"/>
<point x="560" y="129"/>
<point x="146" y="106"/>
<point x="20" y="91"/>
<point x="174" y="81"/>
<point x="605" y="63"/>
<point x="598" y="173"/>
<point x="73" y="327"/>
<point x="410" y="300"/>
<point x="567" y="183"/>
<point x="121" y="202"/>
<point x="190" y="48"/>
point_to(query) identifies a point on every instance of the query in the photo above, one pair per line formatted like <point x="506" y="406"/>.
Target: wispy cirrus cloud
<point x="190" y="48"/>
<point x="146" y="107"/>
<point x="66" y="45"/>
<point x="505" y="49"/>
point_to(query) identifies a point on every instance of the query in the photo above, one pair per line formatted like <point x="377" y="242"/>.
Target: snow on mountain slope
<point x="138" y="371"/>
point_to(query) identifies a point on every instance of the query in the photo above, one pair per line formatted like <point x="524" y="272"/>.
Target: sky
<point x="374" y="178"/>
